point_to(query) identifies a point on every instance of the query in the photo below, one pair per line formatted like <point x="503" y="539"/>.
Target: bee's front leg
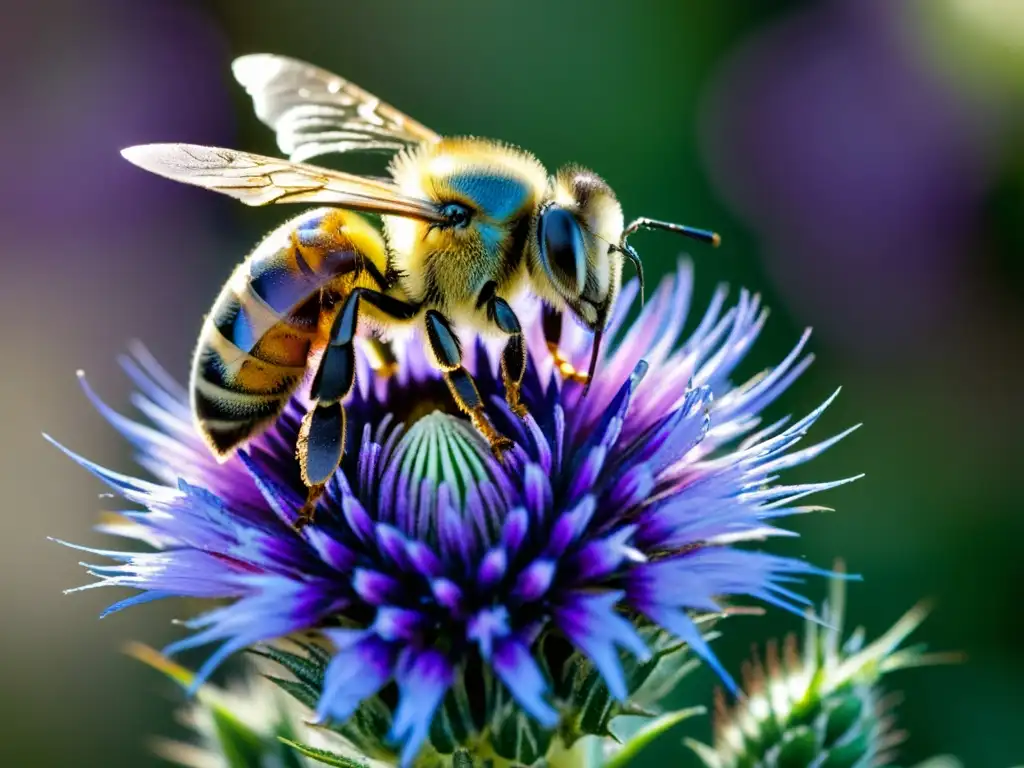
<point x="447" y="352"/>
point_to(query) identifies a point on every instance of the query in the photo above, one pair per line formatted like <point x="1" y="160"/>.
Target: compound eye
<point x="563" y="254"/>
<point x="456" y="215"/>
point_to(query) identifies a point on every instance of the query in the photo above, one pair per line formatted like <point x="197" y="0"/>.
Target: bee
<point x="467" y="225"/>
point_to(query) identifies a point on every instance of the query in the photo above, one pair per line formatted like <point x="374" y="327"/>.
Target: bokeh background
<point x="863" y="160"/>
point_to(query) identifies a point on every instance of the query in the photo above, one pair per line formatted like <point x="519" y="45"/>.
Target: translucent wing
<point x="259" y="180"/>
<point x="315" y="112"/>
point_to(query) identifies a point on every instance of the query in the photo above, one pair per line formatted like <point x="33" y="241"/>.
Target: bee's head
<point x="574" y="259"/>
<point x="580" y="245"/>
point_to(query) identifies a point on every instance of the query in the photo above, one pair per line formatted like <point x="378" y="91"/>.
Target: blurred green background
<point x="863" y="160"/>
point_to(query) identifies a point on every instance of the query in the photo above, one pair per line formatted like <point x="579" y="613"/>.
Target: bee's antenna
<point x="703" y="235"/>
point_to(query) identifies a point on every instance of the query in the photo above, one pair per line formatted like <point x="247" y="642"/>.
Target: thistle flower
<point x="824" y="707"/>
<point x="440" y="576"/>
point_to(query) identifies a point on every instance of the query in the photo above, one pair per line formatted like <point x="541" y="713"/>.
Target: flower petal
<point x="592" y="624"/>
<point x="519" y="671"/>
<point x="363" y="664"/>
<point x="423" y="678"/>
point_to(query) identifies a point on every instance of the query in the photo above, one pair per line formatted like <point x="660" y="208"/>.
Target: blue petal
<point x="392" y="545"/>
<point x="592" y="624"/>
<point x="486" y="627"/>
<point x="139" y="599"/>
<point x="394" y="623"/>
<point x="568" y="529"/>
<point x="423" y="678"/>
<point x="375" y="587"/>
<point x="534" y="581"/>
<point x="448" y="595"/>
<point x="130" y="487"/>
<point x="537" y="495"/>
<point x="517" y="668"/>
<point x="682" y="626"/>
<point x="601" y="557"/>
<point x="492" y="568"/>
<point x="363" y="664"/>
<point x="282" y="501"/>
<point x="517" y="525"/>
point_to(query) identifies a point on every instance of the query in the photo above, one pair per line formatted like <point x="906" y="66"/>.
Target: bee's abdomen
<point x="255" y="344"/>
<point x="256" y="341"/>
<point x="247" y="365"/>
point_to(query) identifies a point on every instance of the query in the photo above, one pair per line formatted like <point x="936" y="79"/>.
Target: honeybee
<point x="468" y="223"/>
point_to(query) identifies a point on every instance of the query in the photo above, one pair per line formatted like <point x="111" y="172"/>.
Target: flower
<point x="435" y="570"/>
<point x="824" y="707"/>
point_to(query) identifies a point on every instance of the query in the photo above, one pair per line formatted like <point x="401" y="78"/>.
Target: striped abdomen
<point x="255" y="343"/>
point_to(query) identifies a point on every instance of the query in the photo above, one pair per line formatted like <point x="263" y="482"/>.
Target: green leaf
<point x="799" y="748"/>
<point x="592" y="701"/>
<point x="850" y="754"/>
<point x="308" y="670"/>
<point x="241" y="747"/>
<point x="299" y="691"/>
<point x="367" y="729"/>
<point x="705" y="754"/>
<point x="284" y="730"/>
<point x="323" y="756"/>
<point x="588" y="701"/>
<point x="946" y="761"/>
<point x="662" y="674"/>
<point x="652" y="730"/>
<point x="843" y="718"/>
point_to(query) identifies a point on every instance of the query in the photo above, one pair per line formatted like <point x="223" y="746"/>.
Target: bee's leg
<point x="513" y="358"/>
<point x="447" y="352"/>
<point x="513" y="368"/>
<point x="322" y="434"/>
<point x="551" y="321"/>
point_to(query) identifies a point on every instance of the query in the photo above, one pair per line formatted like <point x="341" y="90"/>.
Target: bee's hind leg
<point x="552" y="324"/>
<point x="308" y="511"/>
<point x="321" y="444"/>
<point x="447" y="352"/>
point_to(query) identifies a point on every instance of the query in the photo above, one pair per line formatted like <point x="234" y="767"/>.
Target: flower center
<point x="440" y="448"/>
<point x="422" y="407"/>
<point x="442" y="475"/>
<point x="408" y="402"/>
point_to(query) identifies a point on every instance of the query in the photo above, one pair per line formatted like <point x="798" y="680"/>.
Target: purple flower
<point x="612" y="514"/>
